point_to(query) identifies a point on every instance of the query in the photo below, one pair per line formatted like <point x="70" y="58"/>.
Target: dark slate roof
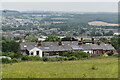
<point x="66" y="45"/>
<point x="30" y="47"/>
<point x="24" y="45"/>
<point x="95" y="46"/>
<point x="86" y="47"/>
<point x="107" y="46"/>
<point x="76" y="47"/>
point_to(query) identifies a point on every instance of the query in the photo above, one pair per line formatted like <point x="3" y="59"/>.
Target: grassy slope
<point x="107" y="68"/>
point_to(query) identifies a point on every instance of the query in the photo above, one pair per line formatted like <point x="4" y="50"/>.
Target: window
<point x="37" y="52"/>
<point x="97" y="52"/>
<point x="31" y="53"/>
<point x="46" y="54"/>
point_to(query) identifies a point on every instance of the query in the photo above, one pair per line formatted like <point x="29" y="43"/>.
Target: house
<point x="58" y="48"/>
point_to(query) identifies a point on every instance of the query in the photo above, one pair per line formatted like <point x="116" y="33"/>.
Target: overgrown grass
<point x="89" y="68"/>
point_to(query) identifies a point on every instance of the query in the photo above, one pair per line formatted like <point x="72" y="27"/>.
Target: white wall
<point x="34" y="51"/>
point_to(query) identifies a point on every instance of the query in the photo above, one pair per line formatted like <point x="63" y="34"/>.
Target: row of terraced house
<point x="59" y="48"/>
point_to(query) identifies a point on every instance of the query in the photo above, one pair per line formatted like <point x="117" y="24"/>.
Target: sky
<point x="62" y="6"/>
<point x="59" y="0"/>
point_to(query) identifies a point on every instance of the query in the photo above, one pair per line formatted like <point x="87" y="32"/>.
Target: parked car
<point x="5" y="57"/>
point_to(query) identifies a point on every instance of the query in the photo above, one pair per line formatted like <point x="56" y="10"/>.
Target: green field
<point x="90" y="68"/>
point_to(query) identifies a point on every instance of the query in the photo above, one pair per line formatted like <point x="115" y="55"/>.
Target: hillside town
<point x="55" y="34"/>
<point x="59" y="40"/>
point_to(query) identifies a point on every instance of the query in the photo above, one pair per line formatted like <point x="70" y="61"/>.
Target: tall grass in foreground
<point x="90" y="68"/>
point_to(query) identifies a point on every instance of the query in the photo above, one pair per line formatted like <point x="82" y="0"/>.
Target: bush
<point x="109" y="53"/>
<point x="65" y="58"/>
<point x="94" y="67"/>
<point x="11" y="54"/>
<point x="6" y="60"/>
<point x="72" y="58"/>
<point x="53" y="59"/>
<point x="45" y="59"/>
<point x="31" y="58"/>
<point x="58" y="59"/>
<point x="14" y="60"/>
<point x="116" y="55"/>
<point x="105" y="55"/>
<point x="25" y="58"/>
<point x="77" y="54"/>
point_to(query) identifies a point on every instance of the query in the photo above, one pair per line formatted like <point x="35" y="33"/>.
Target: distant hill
<point x="10" y="12"/>
<point x="37" y="12"/>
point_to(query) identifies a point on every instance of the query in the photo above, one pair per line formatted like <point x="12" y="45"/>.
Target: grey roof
<point x="30" y="47"/>
<point x="76" y="47"/>
<point x="66" y="45"/>
<point x="107" y="46"/>
<point x="23" y="44"/>
<point x="95" y="46"/>
<point x="86" y="47"/>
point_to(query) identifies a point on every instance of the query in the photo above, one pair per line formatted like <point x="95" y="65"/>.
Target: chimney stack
<point x="98" y="42"/>
<point x="59" y="43"/>
<point x="81" y="39"/>
<point x="93" y="38"/>
<point x="109" y="42"/>
<point x="83" y="42"/>
<point x="39" y="43"/>
<point x="80" y="43"/>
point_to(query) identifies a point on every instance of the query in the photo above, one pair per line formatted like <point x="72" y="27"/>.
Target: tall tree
<point x="52" y="38"/>
<point x="10" y="46"/>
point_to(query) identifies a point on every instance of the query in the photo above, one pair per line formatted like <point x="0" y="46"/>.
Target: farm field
<point x="100" y="23"/>
<point x="91" y="68"/>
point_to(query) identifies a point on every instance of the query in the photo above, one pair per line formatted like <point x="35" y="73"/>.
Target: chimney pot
<point x="80" y="43"/>
<point x="98" y="43"/>
<point x="39" y="43"/>
<point x="59" y="43"/>
<point x="81" y="39"/>
<point x="93" y="38"/>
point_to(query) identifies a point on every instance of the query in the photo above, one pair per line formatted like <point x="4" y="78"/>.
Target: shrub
<point x="31" y="58"/>
<point x="94" y="67"/>
<point x="45" y="59"/>
<point x="116" y="55"/>
<point x="105" y="55"/>
<point x="25" y="58"/>
<point x="65" y="58"/>
<point x="72" y="58"/>
<point x="58" y="59"/>
<point x="109" y="53"/>
<point x="6" y="60"/>
<point x="78" y="54"/>
<point x="53" y="59"/>
<point x="11" y="54"/>
<point x="14" y="60"/>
